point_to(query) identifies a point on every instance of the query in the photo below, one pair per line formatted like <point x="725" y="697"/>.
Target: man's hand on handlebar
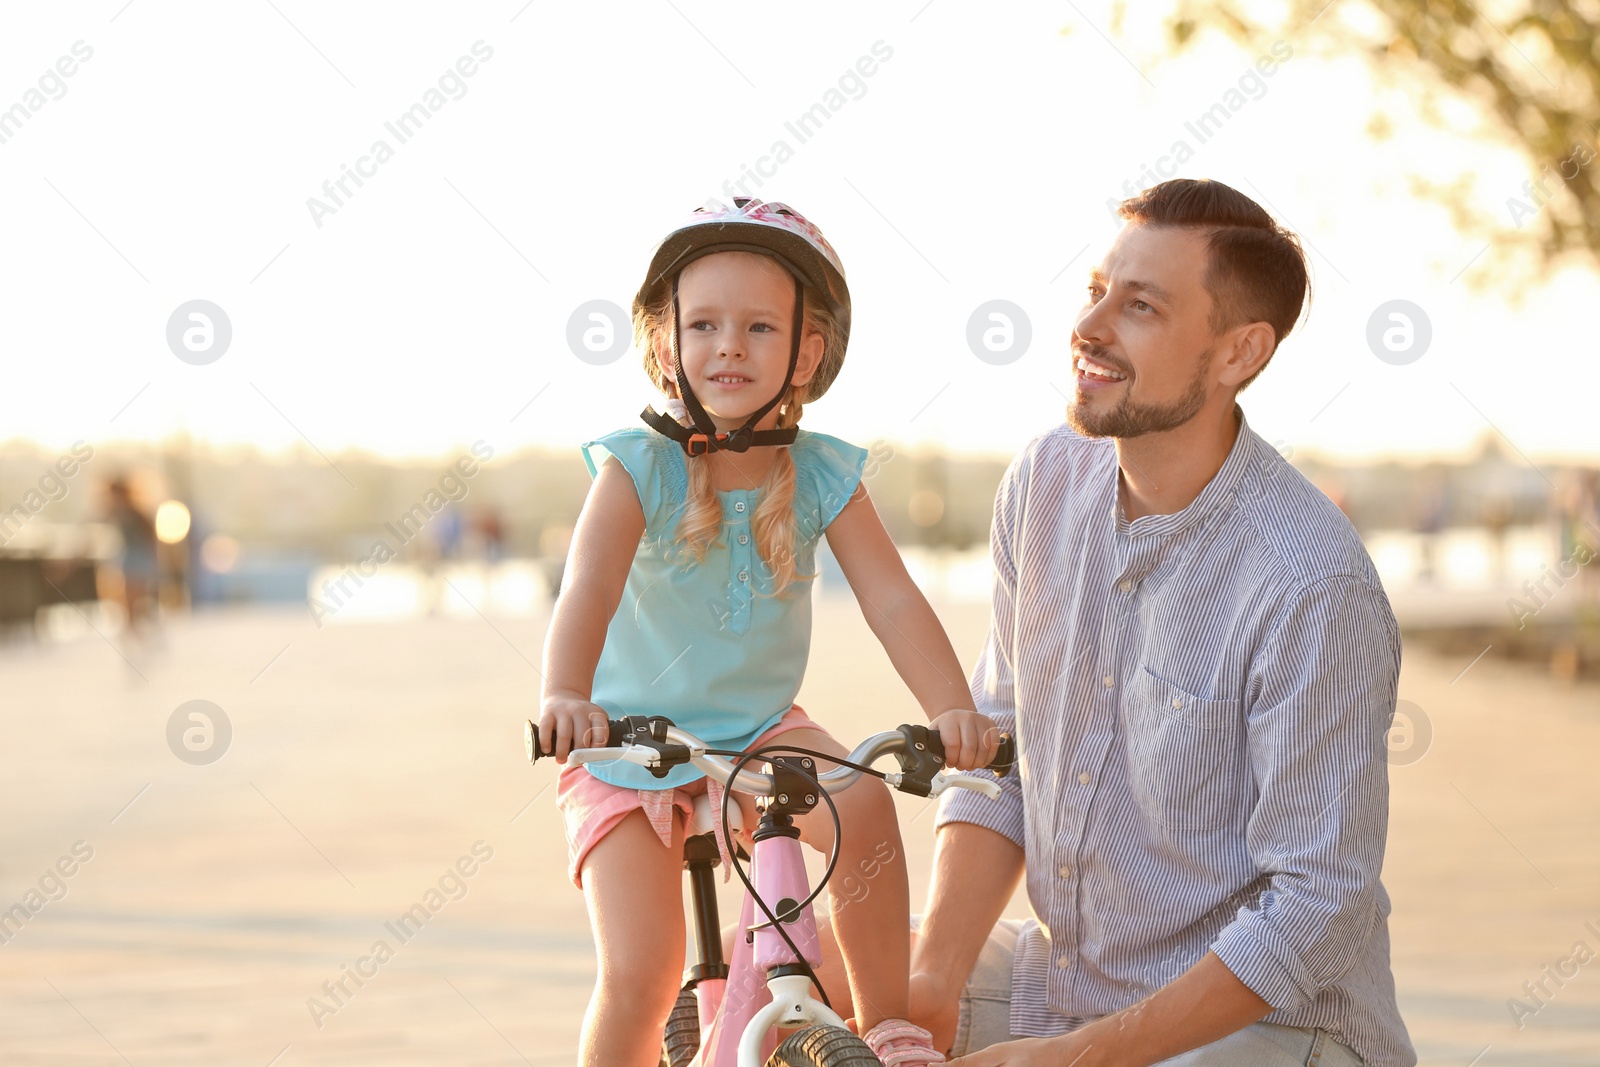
<point x="970" y="739"/>
<point x="567" y="722"/>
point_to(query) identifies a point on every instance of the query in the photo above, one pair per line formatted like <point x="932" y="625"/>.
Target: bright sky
<point x="972" y="164"/>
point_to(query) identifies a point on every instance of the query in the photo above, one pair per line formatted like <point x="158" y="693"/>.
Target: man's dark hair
<point x="1256" y="270"/>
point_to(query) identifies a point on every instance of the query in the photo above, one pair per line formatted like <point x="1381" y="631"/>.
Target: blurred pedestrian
<point x="139" y="577"/>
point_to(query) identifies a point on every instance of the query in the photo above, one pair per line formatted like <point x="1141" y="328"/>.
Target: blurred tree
<point x="1534" y="63"/>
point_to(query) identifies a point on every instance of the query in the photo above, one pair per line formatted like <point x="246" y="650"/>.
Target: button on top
<point x="1126" y="585"/>
<point x="738" y="505"/>
<point x="1063" y="962"/>
<point x="1084" y="777"/>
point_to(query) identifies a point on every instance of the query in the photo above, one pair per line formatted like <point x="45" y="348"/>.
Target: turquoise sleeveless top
<point x="706" y="644"/>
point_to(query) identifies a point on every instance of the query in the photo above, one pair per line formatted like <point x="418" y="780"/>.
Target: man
<point x="1199" y="663"/>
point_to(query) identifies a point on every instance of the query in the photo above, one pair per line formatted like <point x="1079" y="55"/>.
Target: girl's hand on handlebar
<point x="569" y="722"/>
<point x="970" y="739"/>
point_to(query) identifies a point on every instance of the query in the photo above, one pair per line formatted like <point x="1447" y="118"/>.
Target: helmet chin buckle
<point x="699" y="444"/>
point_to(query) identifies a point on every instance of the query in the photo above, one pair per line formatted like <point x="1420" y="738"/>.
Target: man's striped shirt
<point x="1201" y="701"/>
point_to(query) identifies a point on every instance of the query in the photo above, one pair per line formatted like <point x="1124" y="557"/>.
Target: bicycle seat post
<point x="700" y="858"/>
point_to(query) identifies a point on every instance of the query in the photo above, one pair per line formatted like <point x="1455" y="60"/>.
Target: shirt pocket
<point x="1186" y="755"/>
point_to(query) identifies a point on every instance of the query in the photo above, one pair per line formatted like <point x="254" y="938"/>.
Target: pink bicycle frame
<point x="729" y="1009"/>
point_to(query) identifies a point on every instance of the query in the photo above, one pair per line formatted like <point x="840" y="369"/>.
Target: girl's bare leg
<point x="633" y="887"/>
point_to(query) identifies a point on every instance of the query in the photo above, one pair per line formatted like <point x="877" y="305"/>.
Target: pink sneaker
<point x="901" y="1044"/>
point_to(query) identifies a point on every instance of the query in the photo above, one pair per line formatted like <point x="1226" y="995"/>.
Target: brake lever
<point x="945" y="780"/>
<point x="629" y="753"/>
<point x="649" y="733"/>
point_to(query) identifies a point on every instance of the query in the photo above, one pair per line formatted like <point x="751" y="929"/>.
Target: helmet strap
<point x="708" y="438"/>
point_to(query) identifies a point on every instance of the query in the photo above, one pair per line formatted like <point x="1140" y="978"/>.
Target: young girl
<point x="687" y="594"/>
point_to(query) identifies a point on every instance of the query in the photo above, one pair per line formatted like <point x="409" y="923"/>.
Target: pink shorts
<point x="592" y="808"/>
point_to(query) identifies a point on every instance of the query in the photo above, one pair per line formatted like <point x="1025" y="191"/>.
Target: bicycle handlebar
<point x="663" y="745"/>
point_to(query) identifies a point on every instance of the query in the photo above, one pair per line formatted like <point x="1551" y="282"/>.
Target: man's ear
<point x="1248" y="350"/>
<point x="812" y="349"/>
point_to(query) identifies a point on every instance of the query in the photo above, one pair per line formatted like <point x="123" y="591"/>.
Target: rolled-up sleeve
<point x="1323" y="694"/>
<point x="993" y="683"/>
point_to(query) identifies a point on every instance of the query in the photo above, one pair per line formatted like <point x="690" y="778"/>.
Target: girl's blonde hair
<point x="773" y="522"/>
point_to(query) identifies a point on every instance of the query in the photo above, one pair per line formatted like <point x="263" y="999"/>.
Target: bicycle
<point x="784" y="947"/>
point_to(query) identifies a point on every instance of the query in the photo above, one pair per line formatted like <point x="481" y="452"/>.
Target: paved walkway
<point x="208" y="905"/>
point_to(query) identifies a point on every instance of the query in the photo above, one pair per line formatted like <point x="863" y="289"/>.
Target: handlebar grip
<point x="615" y="729"/>
<point x="530" y="742"/>
<point x="1005" y="757"/>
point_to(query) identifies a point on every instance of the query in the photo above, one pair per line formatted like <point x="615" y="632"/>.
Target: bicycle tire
<point x="681" y="1040"/>
<point x="823" y="1046"/>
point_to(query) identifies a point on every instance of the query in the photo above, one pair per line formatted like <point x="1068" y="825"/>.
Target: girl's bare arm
<point x="603" y="546"/>
<point x="911" y="634"/>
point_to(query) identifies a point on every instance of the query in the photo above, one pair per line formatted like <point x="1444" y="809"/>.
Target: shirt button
<point x="1063" y="962"/>
<point x="1126" y="585"/>
<point x="1066" y="872"/>
<point x="1177" y="703"/>
<point x="1084" y="777"/>
<point x="738" y="505"/>
<point x="744" y="539"/>
<point x="1110" y="681"/>
<point x="744" y="576"/>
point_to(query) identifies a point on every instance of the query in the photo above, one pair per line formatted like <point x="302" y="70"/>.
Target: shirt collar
<point x="1218" y="490"/>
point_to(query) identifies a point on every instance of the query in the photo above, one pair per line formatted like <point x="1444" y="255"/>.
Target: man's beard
<point x="1130" y="419"/>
